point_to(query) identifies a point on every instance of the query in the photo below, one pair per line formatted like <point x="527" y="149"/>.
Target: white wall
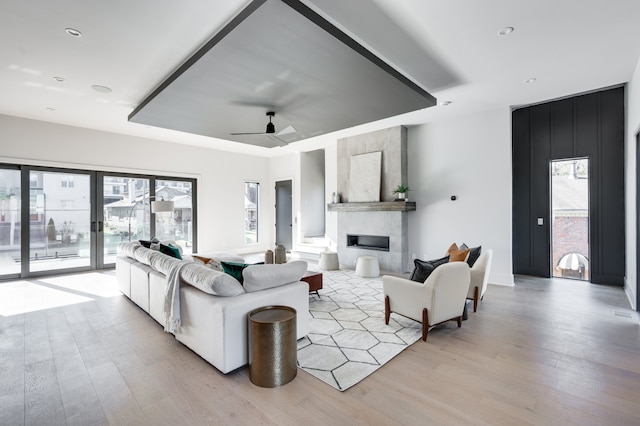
<point x="312" y="192"/>
<point x="633" y="126"/>
<point x="220" y="175"/>
<point x="331" y="186"/>
<point x="469" y="157"/>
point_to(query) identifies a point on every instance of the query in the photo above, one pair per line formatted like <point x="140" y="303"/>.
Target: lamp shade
<point x="161" y="206"/>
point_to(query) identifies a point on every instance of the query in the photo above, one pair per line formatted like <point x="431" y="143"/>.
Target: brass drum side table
<point x="273" y="346"/>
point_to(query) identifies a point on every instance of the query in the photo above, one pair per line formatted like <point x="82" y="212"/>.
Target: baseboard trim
<point x="630" y="296"/>
<point x="501" y="279"/>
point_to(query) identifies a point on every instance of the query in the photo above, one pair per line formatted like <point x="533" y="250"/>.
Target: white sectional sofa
<point x="213" y="326"/>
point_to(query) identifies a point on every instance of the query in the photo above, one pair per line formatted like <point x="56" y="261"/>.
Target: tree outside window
<point x="251" y="196"/>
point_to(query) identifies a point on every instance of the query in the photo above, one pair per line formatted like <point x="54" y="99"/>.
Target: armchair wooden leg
<point x="459" y="320"/>
<point x="387" y="310"/>
<point x="425" y="324"/>
<point x="475" y="299"/>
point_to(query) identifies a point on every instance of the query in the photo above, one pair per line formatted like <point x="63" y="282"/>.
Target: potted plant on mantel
<point x="401" y="190"/>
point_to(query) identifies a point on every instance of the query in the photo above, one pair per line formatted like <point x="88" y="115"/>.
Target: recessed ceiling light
<point x="101" y="89"/>
<point x="447" y="103"/>
<point x="73" y="32"/>
<point x="50" y="109"/>
<point x="59" y="79"/>
<point x="505" y="31"/>
<point x="530" y="80"/>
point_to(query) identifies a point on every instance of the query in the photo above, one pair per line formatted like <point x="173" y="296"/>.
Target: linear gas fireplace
<point x="368" y="242"/>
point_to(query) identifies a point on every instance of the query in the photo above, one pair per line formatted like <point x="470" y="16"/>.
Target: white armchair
<point x="479" y="277"/>
<point x="440" y="298"/>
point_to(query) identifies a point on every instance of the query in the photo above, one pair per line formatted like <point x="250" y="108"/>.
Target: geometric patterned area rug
<point x="348" y="339"/>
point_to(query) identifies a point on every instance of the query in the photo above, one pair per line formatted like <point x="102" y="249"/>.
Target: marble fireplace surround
<point x="383" y="217"/>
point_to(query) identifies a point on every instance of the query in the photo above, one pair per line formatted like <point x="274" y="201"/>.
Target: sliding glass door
<point x="176" y="225"/>
<point x="10" y="229"/>
<point x="125" y="212"/>
<point x="60" y="221"/>
<point x="56" y="220"/>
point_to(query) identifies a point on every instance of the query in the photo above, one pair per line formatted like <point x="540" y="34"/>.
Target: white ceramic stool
<point x="328" y="261"/>
<point x="367" y="267"/>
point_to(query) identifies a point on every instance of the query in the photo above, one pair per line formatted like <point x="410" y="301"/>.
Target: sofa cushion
<point x="261" y="277"/>
<point x="129" y="247"/>
<point x="210" y="281"/>
<point x="144" y="255"/>
<point x="163" y="264"/>
<point x="424" y="268"/>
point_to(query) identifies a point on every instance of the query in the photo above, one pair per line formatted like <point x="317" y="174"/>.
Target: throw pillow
<point x="424" y="268"/>
<point x="170" y="250"/>
<point x="273" y="275"/>
<point x="235" y="269"/>
<point x="452" y="247"/>
<point x="145" y="243"/>
<point x="202" y="259"/>
<point x="474" y="254"/>
<point x="458" y="255"/>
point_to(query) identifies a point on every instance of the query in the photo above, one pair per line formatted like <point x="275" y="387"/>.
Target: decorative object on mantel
<point x="335" y="198"/>
<point x="365" y="177"/>
<point x="401" y="190"/>
<point x="280" y="254"/>
<point x="268" y="257"/>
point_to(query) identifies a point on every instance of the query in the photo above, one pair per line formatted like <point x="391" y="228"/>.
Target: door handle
<point x="100" y="227"/>
<point x="93" y="227"/>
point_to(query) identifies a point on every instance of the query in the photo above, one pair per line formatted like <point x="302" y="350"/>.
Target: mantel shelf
<point x="384" y="206"/>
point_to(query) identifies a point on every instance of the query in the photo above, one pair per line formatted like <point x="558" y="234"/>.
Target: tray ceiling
<point x="283" y="57"/>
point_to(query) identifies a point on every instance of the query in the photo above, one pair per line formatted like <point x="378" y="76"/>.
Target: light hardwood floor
<point x="543" y="352"/>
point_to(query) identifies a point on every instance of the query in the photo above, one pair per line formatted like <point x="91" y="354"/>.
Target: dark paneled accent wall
<point x="590" y="126"/>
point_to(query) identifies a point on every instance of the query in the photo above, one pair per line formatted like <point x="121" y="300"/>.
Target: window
<point x="251" y="197"/>
<point x="67" y="182"/>
<point x="178" y="224"/>
<point x="75" y="220"/>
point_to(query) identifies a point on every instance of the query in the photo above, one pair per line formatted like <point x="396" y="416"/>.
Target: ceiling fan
<point x="271" y="128"/>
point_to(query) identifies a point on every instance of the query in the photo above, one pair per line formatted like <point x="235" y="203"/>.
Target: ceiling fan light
<point x="271" y="128"/>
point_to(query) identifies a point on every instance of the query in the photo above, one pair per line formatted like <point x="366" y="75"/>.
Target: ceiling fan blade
<point x="279" y="141"/>
<point x="287" y="130"/>
<point x="248" y="133"/>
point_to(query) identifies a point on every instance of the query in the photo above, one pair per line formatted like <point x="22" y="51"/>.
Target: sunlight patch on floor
<point x="19" y="297"/>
